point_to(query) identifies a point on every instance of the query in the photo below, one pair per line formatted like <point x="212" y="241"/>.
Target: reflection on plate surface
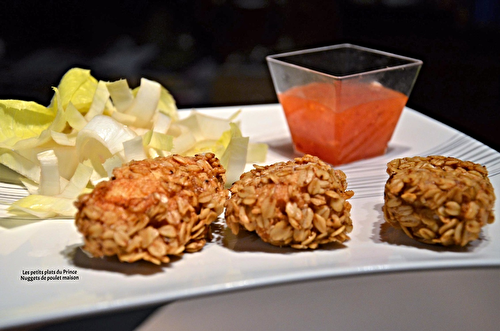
<point x="229" y="261"/>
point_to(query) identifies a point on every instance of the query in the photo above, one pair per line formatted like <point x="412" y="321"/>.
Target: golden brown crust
<point x="153" y="208"/>
<point x="438" y="200"/>
<point x="300" y="203"/>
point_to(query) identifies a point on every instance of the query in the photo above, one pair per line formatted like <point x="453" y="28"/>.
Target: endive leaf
<point x="21" y="120"/>
<point x="78" y="87"/>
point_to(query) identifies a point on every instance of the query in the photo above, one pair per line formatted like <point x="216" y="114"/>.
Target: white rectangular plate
<point x="234" y="262"/>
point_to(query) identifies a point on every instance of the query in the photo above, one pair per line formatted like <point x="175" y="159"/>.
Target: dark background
<point x="212" y="52"/>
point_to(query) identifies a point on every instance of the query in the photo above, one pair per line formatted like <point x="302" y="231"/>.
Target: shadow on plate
<point x="283" y="147"/>
<point x="383" y="232"/>
<point x="395" y="151"/>
<point x="8" y="175"/>
<point x="246" y="241"/>
<point x="12" y="223"/>
<point x="77" y="257"/>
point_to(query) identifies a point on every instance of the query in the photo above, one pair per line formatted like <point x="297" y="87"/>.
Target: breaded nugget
<point x="438" y="200"/>
<point x="153" y="208"/>
<point x="301" y="203"/>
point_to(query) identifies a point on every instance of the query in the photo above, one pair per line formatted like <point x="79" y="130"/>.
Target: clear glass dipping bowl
<point x="342" y="102"/>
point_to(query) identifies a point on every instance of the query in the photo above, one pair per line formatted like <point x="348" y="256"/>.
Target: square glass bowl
<point x="342" y="102"/>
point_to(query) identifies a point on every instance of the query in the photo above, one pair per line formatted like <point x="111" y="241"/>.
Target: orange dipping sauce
<point x="342" y="122"/>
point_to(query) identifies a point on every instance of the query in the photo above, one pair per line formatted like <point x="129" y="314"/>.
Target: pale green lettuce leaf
<point x="162" y="123"/>
<point x="30" y="185"/>
<point x="74" y="118"/>
<point x="121" y="94"/>
<point x="64" y="139"/>
<point x="167" y="104"/>
<point x="257" y="152"/>
<point x="78" y="182"/>
<point x="20" y="164"/>
<point x="134" y="149"/>
<point x="44" y="206"/>
<point x="204" y="126"/>
<point x="101" y="138"/>
<point x="99" y="101"/>
<point x="158" y="141"/>
<point x="234" y="158"/>
<point x="145" y="103"/>
<point x="21" y="120"/>
<point x="78" y="87"/>
<point x="113" y="162"/>
<point x="58" y="125"/>
<point x="123" y="118"/>
<point x="183" y="139"/>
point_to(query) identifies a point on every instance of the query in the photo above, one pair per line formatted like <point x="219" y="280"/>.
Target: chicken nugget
<point x="153" y="208"/>
<point x="438" y="200"/>
<point x="300" y="203"/>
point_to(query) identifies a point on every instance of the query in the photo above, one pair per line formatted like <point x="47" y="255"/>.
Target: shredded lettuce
<point x="92" y="127"/>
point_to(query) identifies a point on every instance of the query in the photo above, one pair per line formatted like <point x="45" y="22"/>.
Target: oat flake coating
<point x="300" y="203"/>
<point x="153" y="208"/>
<point x="438" y="200"/>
